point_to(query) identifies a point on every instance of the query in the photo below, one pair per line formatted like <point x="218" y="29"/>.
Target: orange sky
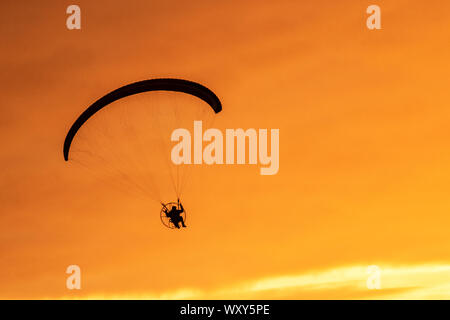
<point x="364" y="159"/>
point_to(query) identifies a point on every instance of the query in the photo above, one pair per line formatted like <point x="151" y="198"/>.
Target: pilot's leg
<point x="175" y="223"/>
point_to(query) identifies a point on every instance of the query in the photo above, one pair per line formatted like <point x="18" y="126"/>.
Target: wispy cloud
<point x="428" y="281"/>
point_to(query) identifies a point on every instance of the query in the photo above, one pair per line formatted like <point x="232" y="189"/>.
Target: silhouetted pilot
<point x="175" y="215"/>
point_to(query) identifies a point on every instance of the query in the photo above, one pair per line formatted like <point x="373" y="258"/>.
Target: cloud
<point x="428" y="281"/>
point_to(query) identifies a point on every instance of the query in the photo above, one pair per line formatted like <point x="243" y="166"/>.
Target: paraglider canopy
<point x="163" y="84"/>
<point x="128" y="140"/>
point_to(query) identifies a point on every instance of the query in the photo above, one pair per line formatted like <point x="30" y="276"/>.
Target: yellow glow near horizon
<point x="414" y="282"/>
